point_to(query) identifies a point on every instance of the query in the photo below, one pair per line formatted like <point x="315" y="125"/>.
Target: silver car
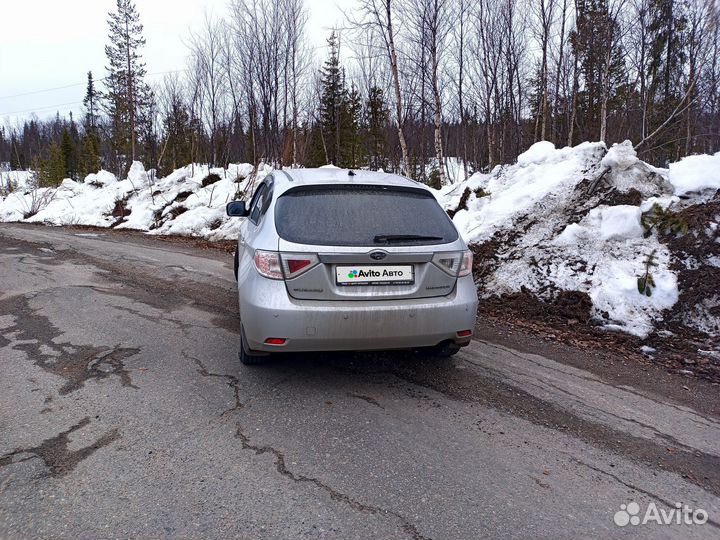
<point x="335" y="260"/>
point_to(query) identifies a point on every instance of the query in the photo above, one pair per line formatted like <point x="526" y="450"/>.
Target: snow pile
<point x="537" y="153"/>
<point x="189" y="201"/>
<point x="579" y="219"/>
<point x="695" y="174"/>
<point x="616" y="222"/>
<point x="101" y="178"/>
<point x="620" y="157"/>
<point x="607" y="222"/>
<point x="544" y="177"/>
<point x="603" y="256"/>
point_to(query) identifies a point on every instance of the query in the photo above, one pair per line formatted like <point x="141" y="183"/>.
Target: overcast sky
<point x="48" y="44"/>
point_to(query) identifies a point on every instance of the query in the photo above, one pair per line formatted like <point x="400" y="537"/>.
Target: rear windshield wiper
<point x="386" y="238"/>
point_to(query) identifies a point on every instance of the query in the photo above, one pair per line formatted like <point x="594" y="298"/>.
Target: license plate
<point x="375" y="275"/>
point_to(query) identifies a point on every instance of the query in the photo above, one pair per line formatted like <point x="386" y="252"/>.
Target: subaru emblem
<point x="378" y="255"/>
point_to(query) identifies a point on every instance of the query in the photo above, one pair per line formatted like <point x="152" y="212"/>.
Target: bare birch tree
<point x="486" y="50"/>
<point x="431" y="31"/>
<point x="543" y="26"/>
<point x="208" y="53"/>
<point x="378" y="16"/>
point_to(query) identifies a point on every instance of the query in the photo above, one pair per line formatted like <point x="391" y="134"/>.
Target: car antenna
<point x="351" y="173"/>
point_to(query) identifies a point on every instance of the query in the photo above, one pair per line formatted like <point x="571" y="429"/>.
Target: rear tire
<point x="245" y="355"/>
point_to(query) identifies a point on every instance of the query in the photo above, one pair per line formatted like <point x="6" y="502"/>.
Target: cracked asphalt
<point x="125" y="413"/>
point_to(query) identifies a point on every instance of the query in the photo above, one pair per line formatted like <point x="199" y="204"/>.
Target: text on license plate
<point x="374" y="274"/>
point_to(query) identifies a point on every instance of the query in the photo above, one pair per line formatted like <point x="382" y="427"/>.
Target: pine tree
<point x="336" y="138"/>
<point x="535" y="84"/>
<point x="667" y="36"/>
<point x="127" y="93"/>
<point x="350" y="120"/>
<point x="51" y="171"/>
<point x="667" y="51"/>
<point x="317" y="155"/>
<point x="57" y="127"/>
<point x="89" y="146"/>
<point x="178" y="133"/>
<point x="16" y="161"/>
<point x="595" y="45"/>
<point x="236" y="140"/>
<point x="377" y="116"/>
<point x="89" y="155"/>
<point x="332" y="101"/>
<point x="148" y="132"/>
<point x="68" y="149"/>
<point x="91" y="103"/>
<point x="4" y="149"/>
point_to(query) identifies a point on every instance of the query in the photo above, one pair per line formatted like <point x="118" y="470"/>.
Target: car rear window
<point x="355" y="215"/>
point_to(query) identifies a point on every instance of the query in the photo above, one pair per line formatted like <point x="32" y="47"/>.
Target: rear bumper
<point x="311" y="325"/>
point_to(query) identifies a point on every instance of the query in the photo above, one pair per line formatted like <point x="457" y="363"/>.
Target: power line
<point x="33" y="92"/>
<point x="34" y="109"/>
<point x="42" y="91"/>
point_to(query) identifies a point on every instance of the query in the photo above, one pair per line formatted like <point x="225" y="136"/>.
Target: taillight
<point x="274" y="265"/>
<point x="455" y="263"/>
<point x="268" y="264"/>
<point x="295" y="264"/>
<point x="466" y="264"/>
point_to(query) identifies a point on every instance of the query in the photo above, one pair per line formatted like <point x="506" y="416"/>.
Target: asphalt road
<point x="124" y="412"/>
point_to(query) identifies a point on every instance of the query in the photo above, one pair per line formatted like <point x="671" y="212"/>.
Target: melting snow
<point x="177" y="204"/>
<point x="695" y="173"/>
<point x="554" y="236"/>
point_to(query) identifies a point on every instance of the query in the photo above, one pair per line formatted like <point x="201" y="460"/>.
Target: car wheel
<point x="245" y="355"/>
<point x="237" y="262"/>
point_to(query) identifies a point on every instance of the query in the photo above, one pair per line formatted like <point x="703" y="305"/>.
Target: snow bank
<point x="605" y="254"/>
<point x="695" y="174"/>
<point x="177" y="204"/>
<point x="571" y="219"/>
<point x="543" y="176"/>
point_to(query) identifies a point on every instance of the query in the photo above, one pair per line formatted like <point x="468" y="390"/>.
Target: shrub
<point x="646" y="283"/>
<point x="433" y="179"/>
<point x="664" y="221"/>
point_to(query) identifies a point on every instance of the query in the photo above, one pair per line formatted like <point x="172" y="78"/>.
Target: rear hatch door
<point x="372" y="242"/>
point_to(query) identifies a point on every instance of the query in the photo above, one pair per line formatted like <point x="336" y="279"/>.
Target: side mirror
<point x="236" y="209"/>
